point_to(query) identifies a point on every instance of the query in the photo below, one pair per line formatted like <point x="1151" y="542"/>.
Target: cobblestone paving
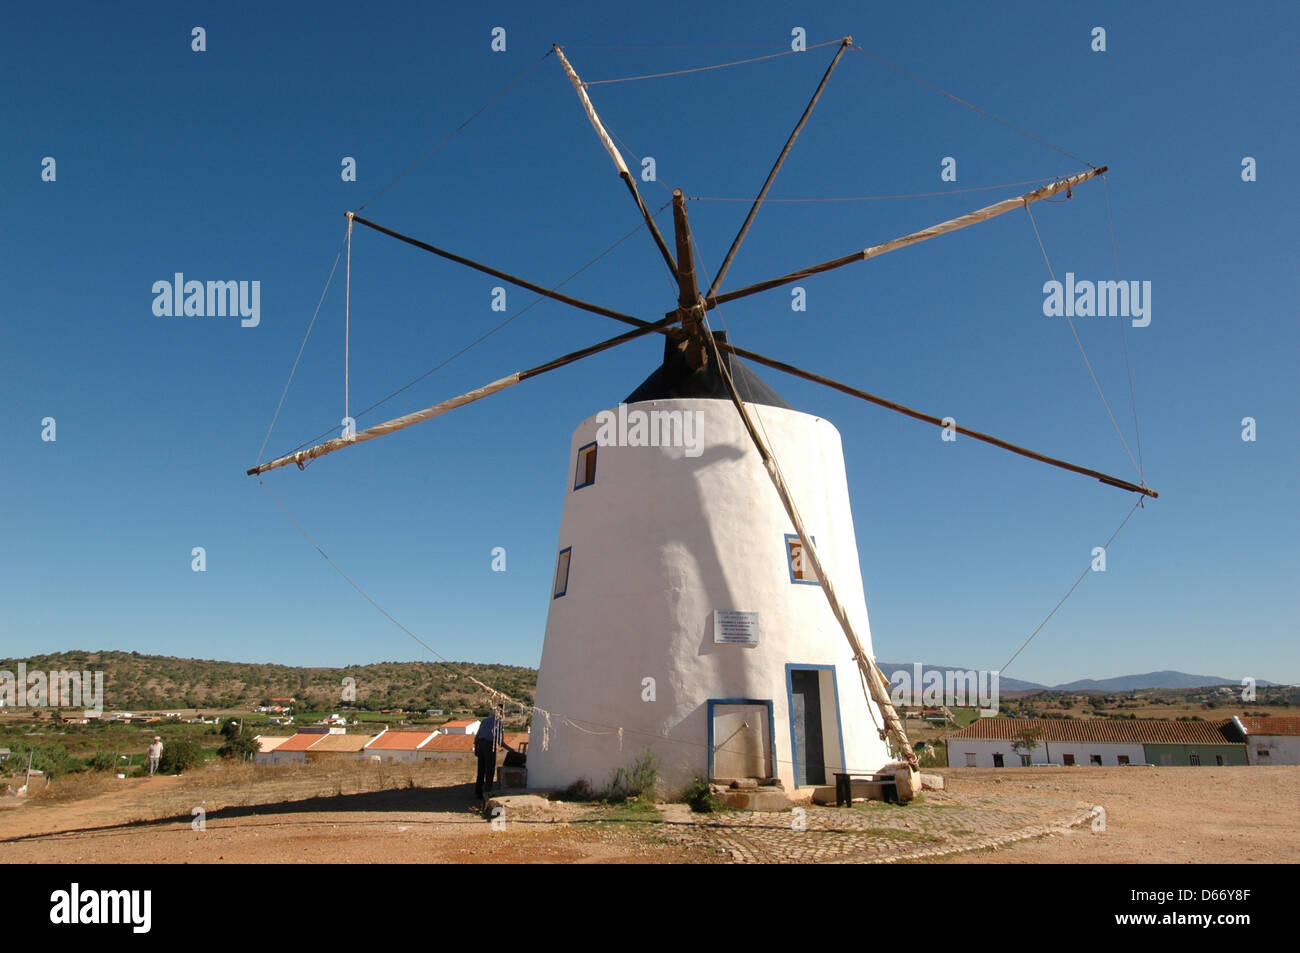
<point x="876" y="832"/>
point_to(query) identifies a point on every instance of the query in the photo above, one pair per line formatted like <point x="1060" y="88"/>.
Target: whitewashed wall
<point x="659" y="541"/>
<point x="1053" y="753"/>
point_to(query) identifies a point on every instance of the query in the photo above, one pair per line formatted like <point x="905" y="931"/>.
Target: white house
<point x="1272" y="740"/>
<point x="988" y="743"/>
<point x="682" y="616"/>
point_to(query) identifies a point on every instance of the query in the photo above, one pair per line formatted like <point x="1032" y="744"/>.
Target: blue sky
<point x="225" y="164"/>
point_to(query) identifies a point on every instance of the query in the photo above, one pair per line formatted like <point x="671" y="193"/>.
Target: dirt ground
<point x="427" y="814"/>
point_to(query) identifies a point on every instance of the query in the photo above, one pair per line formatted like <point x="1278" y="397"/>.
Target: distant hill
<point x="1120" y="683"/>
<point x="159" y="682"/>
<point x="1004" y="684"/>
<point x="1166" y="679"/>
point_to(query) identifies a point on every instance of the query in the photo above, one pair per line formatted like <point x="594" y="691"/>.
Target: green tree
<point x="179" y="755"/>
<point x="239" y="747"/>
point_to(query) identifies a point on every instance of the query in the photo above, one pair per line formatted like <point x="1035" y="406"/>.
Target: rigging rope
<point x="480" y="339"/>
<point x="878" y="198"/>
<point x="972" y="106"/>
<point x="301" y="347"/>
<point x="1123" y="330"/>
<point x="702" y="69"/>
<point x="447" y="138"/>
<point x="1077" y="582"/>
<point x="1087" y="363"/>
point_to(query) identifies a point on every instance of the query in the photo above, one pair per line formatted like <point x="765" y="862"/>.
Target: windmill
<point x="670" y="616"/>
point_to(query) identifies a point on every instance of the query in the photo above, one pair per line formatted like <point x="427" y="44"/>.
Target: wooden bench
<point x="844" y="787"/>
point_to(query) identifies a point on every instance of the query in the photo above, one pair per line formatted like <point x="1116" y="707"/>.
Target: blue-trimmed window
<point x="584" y="473"/>
<point x="801" y="570"/>
<point x="562" y="572"/>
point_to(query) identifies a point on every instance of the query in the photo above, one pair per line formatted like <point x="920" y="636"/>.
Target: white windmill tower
<point x="695" y="611"/>
<point x="684" y="618"/>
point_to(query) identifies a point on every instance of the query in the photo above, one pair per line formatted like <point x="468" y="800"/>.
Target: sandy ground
<point x="1152" y="815"/>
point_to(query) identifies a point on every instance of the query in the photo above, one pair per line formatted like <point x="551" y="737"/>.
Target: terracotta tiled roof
<point x="463" y="723"/>
<point x="265" y="743"/>
<point x="300" y="742"/>
<point x="395" y="740"/>
<point x="1271" y="725"/>
<point x="1104" y="730"/>
<point x="341" y="743"/>
<point x="449" y="743"/>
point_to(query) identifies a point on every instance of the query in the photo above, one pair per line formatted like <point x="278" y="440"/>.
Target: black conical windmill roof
<point x="675" y="380"/>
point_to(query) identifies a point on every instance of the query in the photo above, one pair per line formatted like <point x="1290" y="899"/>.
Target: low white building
<point x="988" y="743"/>
<point x="1272" y="740"/>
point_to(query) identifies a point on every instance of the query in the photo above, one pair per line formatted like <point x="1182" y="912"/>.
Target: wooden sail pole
<point x="877" y="686"/>
<point x="689" y="293"/>
<point x="497" y="273"/>
<point x="938" y="422"/>
<point x="301" y="457"/>
<point x="934" y="231"/>
<point x="771" y="176"/>
<point x="614" y="154"/>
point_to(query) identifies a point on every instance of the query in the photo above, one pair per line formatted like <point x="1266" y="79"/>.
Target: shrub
<point x="635" y="780"/>
<point x="240" y="748"/>
<point x="179" y="755"/>
<point x="699" y="795"/>
<point x="101" y="761"/>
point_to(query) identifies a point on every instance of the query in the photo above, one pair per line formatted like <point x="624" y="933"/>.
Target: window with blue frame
<point x="585" y="472"/>
<point x="562" y="572"/>
<point x="801" y="570"/>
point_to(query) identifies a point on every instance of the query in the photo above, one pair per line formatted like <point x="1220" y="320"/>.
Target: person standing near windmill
<point x="486" y="741"/>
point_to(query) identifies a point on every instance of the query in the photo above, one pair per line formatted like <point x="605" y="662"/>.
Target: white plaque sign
<point x="737" y="628"/>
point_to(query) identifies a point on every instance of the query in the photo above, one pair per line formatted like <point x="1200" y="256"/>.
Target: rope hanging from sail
<point x="705" y="69"/>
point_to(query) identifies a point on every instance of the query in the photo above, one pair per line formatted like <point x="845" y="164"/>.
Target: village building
<point x="462" y="726"/>
<point x="988" y="743"/>
<point x="396" y="744"/>
<point x="334" y="746"/>
<point x="1272" y="740"/>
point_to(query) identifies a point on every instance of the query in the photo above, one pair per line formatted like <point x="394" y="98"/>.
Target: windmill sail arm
<point x="937" y="421"/>
<point x="504" y="276"/>
<point x="617" y="156"/>
<point x="934" y="231"/>
<point x="776" y="167"/>
<point x="301" y="457"/>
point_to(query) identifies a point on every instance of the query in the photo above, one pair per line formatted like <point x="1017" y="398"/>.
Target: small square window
<point x="970" y="759"/>
<point x="585" y="472"/>
<point x="562" y="572"/>
<point x="1122" y="759"/>
<point x="1094" y="759"/>
<point x="997" y="761"/>
<point x="1024" y="760"/>
<point x="1218" y="759"/>
<point x="1068" y="760"/>
<point x="1194" y="759"/>
<point x="801" y="570"/>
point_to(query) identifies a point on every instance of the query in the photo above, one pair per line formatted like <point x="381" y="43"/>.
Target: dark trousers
<point x="487" y="766"/>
